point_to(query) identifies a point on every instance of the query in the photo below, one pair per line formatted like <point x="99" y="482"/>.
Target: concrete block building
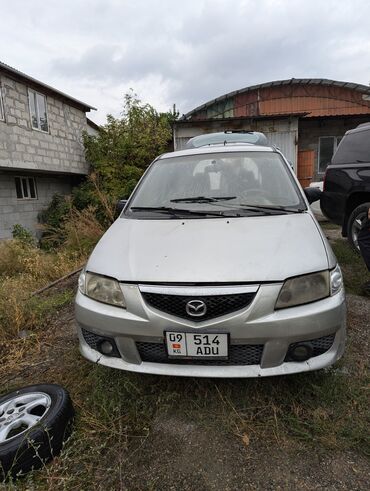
<point x="41" y="147"/>
<point x="305" y="118"/>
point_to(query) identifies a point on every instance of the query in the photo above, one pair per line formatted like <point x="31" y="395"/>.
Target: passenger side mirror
<point x="312" y="194"/>
<point x="120" y="205"/>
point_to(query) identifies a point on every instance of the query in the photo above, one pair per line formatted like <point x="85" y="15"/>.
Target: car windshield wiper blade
<point x="272" y="208"/>
<point x="176" y="211"/>
<point x="202" y="199"/>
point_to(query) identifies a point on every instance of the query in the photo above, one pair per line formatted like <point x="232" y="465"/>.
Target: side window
<point x="2" y="112"/>
<point x="355" y="148"/>
<point x="38" y="110"/>
<point x="25" y="188"/>
<point x="327" y="147"/>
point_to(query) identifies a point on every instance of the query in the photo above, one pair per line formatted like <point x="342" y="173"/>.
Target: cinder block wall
<point x="21" y="147"/>
<point x="25" y="212"/>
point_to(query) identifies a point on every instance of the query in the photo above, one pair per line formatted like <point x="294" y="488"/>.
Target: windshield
<point x="218" y="181"/>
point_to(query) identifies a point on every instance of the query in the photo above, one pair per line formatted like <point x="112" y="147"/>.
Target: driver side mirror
<point x="312" y="194"/>
<point x="120" y="205"/>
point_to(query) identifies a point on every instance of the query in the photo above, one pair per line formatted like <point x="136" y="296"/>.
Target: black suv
<point x="346" y="196"/>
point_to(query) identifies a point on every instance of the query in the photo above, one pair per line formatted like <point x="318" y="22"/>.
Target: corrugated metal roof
<point x="364" y="89"/>
<point x="24" y="76"/>
<point x="243" y="118"/>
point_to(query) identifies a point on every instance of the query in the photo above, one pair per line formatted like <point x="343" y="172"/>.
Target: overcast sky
<point x="184" y="52"/>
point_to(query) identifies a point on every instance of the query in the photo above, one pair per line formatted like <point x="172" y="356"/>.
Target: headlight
<point x="82" y="281"/>
<point x="101" y="288"/>
<point x="336" y="280"/>
<point x="304" y="289"/>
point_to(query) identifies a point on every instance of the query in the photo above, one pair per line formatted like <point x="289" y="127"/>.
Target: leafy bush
<point x="121" y="152"/>
<point x="56" y="211"/>
<point x="23" y="235"/>
<point x="52" y="219"/>
<point x="118" y="155"/>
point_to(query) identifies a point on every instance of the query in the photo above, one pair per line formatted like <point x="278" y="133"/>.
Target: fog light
<point x="301" y="351"/>
<point x="106" y="347"/>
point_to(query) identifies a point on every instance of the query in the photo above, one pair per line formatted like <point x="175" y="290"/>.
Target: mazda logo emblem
<point x="196" y="308"/>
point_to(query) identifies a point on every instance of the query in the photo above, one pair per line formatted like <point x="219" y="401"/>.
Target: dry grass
<point x="118" y="415"/>
<point x="353" y="266"/>
<point x="79" y="232"/>
<point x="24" y="269"/>
<point x="124" y="431"/>
<point x="115" y="444"/>
<point x="82" y="230"/>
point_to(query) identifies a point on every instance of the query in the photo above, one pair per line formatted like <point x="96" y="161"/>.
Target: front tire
<point x="355" y="221"/>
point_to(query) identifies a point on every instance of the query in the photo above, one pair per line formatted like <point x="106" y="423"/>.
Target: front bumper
<point x="259" y="323"/>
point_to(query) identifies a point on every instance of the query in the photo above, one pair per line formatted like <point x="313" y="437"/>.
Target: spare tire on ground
<point x="34" y="422"/>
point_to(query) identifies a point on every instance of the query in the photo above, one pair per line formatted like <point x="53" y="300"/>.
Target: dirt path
<point x="179" y="450"/>
<point x="180" y="454"/>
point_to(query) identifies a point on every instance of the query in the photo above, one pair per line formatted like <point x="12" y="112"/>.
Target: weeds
<point x="18" y="313"/>
<point x="353" y="266"/>
<point x="119" y="414"/>
<point x="23" y="235"/>
<point x="79" y="231"/>
<point x="23" y="269"/>
<point x="326" y="225"/>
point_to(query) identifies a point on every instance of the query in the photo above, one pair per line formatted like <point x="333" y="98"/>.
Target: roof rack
<point x="229" y="132"/>
<point x="229" y="137"/>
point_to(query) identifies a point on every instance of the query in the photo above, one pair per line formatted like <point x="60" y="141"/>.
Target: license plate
<point x="194" y="345"/>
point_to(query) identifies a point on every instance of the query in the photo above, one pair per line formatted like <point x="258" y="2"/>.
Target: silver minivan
<point x="216" y="267"/>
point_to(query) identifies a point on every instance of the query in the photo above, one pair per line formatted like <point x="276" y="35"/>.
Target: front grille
<point x="319" y="345"/>
<point x="217" y="305"/>
<point x="239" y="354"/>
<point x="94" y="341"/>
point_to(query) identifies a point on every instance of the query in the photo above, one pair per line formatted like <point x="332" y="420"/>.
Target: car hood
<point x="243" y="249"/>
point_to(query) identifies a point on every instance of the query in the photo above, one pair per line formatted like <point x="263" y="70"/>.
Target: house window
<point x="327" y="147"/>
<point x="25" y="188"/>
<point x="2" y="113"/>
<point x="38" y="112"/>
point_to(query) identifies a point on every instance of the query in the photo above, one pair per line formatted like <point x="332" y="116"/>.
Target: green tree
<point x="122" y="150"/>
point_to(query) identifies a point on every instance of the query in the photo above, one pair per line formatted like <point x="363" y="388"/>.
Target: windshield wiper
<point x="202" y="199"/>
<point x="176" y="211"/>
<point x="271" y="208"/>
